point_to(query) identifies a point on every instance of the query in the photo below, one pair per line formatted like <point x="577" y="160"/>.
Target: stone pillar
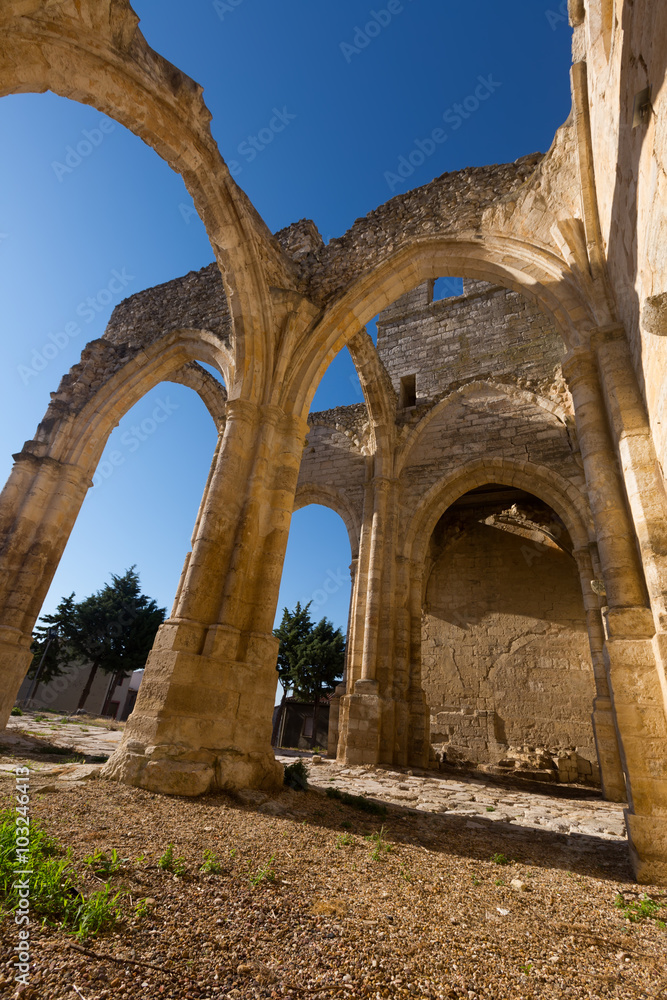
<point x="362" y="709"/>
<point x="38" y="508"/>
<point x="202" y="720"/>
<point x="629" y="653"/>
<point x="195" y="530"/>
<point x="641" y="474"/>
<point x="604" y="727"/>
<point x="617" y="547"/>
<point x="341" y="689"/>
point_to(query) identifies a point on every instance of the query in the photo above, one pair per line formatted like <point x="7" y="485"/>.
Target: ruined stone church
<point x="502" y="483"/>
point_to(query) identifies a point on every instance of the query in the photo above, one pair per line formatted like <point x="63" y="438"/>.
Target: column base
<point x="202" y="721"/>
<point x="173" y="769"/>
<point x="15" y="659"/>
<point x="647" y="840"/>
<point x="360" y="714"/>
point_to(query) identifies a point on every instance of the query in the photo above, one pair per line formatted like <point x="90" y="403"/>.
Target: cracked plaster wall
<point x="505" y="655"/>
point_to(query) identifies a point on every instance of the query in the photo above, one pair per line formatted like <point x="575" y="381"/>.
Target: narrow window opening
<point x="408" y="394"/>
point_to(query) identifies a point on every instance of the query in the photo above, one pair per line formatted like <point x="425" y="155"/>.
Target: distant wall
<point x="489" y="331"/>
<point x="505" y="655"/>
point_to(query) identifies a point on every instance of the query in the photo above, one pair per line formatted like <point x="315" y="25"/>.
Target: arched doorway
<point x="506" y="664"/>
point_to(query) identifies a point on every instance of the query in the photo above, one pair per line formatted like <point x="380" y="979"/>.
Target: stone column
<point x="341" y="689"/>
<point x="38" y="508"/>
<point x="617" y="547"/>
<point x="195" y="530"/>
<point x="203" y="715"/>
<point x="637" y="460"/>
<point x="363" y="708"/>
<point x="629" y="653"/>
<point x="641" y="473"/>
<point x="604" y="727"/>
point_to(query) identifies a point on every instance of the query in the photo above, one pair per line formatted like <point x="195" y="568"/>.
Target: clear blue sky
<point x="354" y="104"/>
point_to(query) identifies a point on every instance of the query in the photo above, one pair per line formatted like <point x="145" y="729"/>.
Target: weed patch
<point x="501" y="859"/>
<point x="168" y="863"/>
<point x="296" y="776"/>
<point x="265" y="873"/>
<point x="640" y="909"/>
<point x="211" y="865"/>
<point x="54" y="894"/>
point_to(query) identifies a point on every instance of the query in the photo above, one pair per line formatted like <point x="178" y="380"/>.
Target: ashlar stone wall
<point x="489" y="332"/>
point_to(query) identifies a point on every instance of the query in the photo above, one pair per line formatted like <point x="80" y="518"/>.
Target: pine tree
<point x="116" y="628"/>
<point x="319" y="665"/>
<point x="293" y="631"/>
<point x="113" y="630"/>
<point x="50" y="643"/>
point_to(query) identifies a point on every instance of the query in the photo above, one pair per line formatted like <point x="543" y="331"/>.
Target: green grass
<point x="105" y="866"/>
<point x="640" y="909"/>
<point x="501" y="859"/>
<point x="210" y="864"/>
<point x="16" y="710"/>
<point x="54" y="894"/>
<point x="266" y="873"/>
<point x="357" y="802"/>
<point x="381" y="845"/>
<point x="344" y="840"/>
<point x="168" y="863"/>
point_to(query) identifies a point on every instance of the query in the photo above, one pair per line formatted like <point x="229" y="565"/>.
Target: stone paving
<point x="417" y="791"/>
<point x="428" y="792"/>
<point x="24" y="734"/>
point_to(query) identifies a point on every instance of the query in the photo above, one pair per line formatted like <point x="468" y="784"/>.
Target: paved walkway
<point x="424" y="792"/>
<point x="25" y="734"/>
<point x="472" y="797"/>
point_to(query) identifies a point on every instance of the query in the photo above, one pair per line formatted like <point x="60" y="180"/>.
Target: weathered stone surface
<point x="578" y="230"/>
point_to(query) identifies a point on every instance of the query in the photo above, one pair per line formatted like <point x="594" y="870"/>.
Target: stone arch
<point x="557" y="412"/>
<point x="327" y="496"/>
<point x="98" y="56"/>
<point x="562" y="496"/>
<point x="379" y="396"/>
<point x="78" y="423"/>
<point x="534" y="271"/>
<point x="212" y="393"/>
<point x="505" y="653"/>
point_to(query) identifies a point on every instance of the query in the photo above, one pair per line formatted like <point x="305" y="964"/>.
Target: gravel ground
<point x="433" y="916"/>
<point x="307" y="905"/>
